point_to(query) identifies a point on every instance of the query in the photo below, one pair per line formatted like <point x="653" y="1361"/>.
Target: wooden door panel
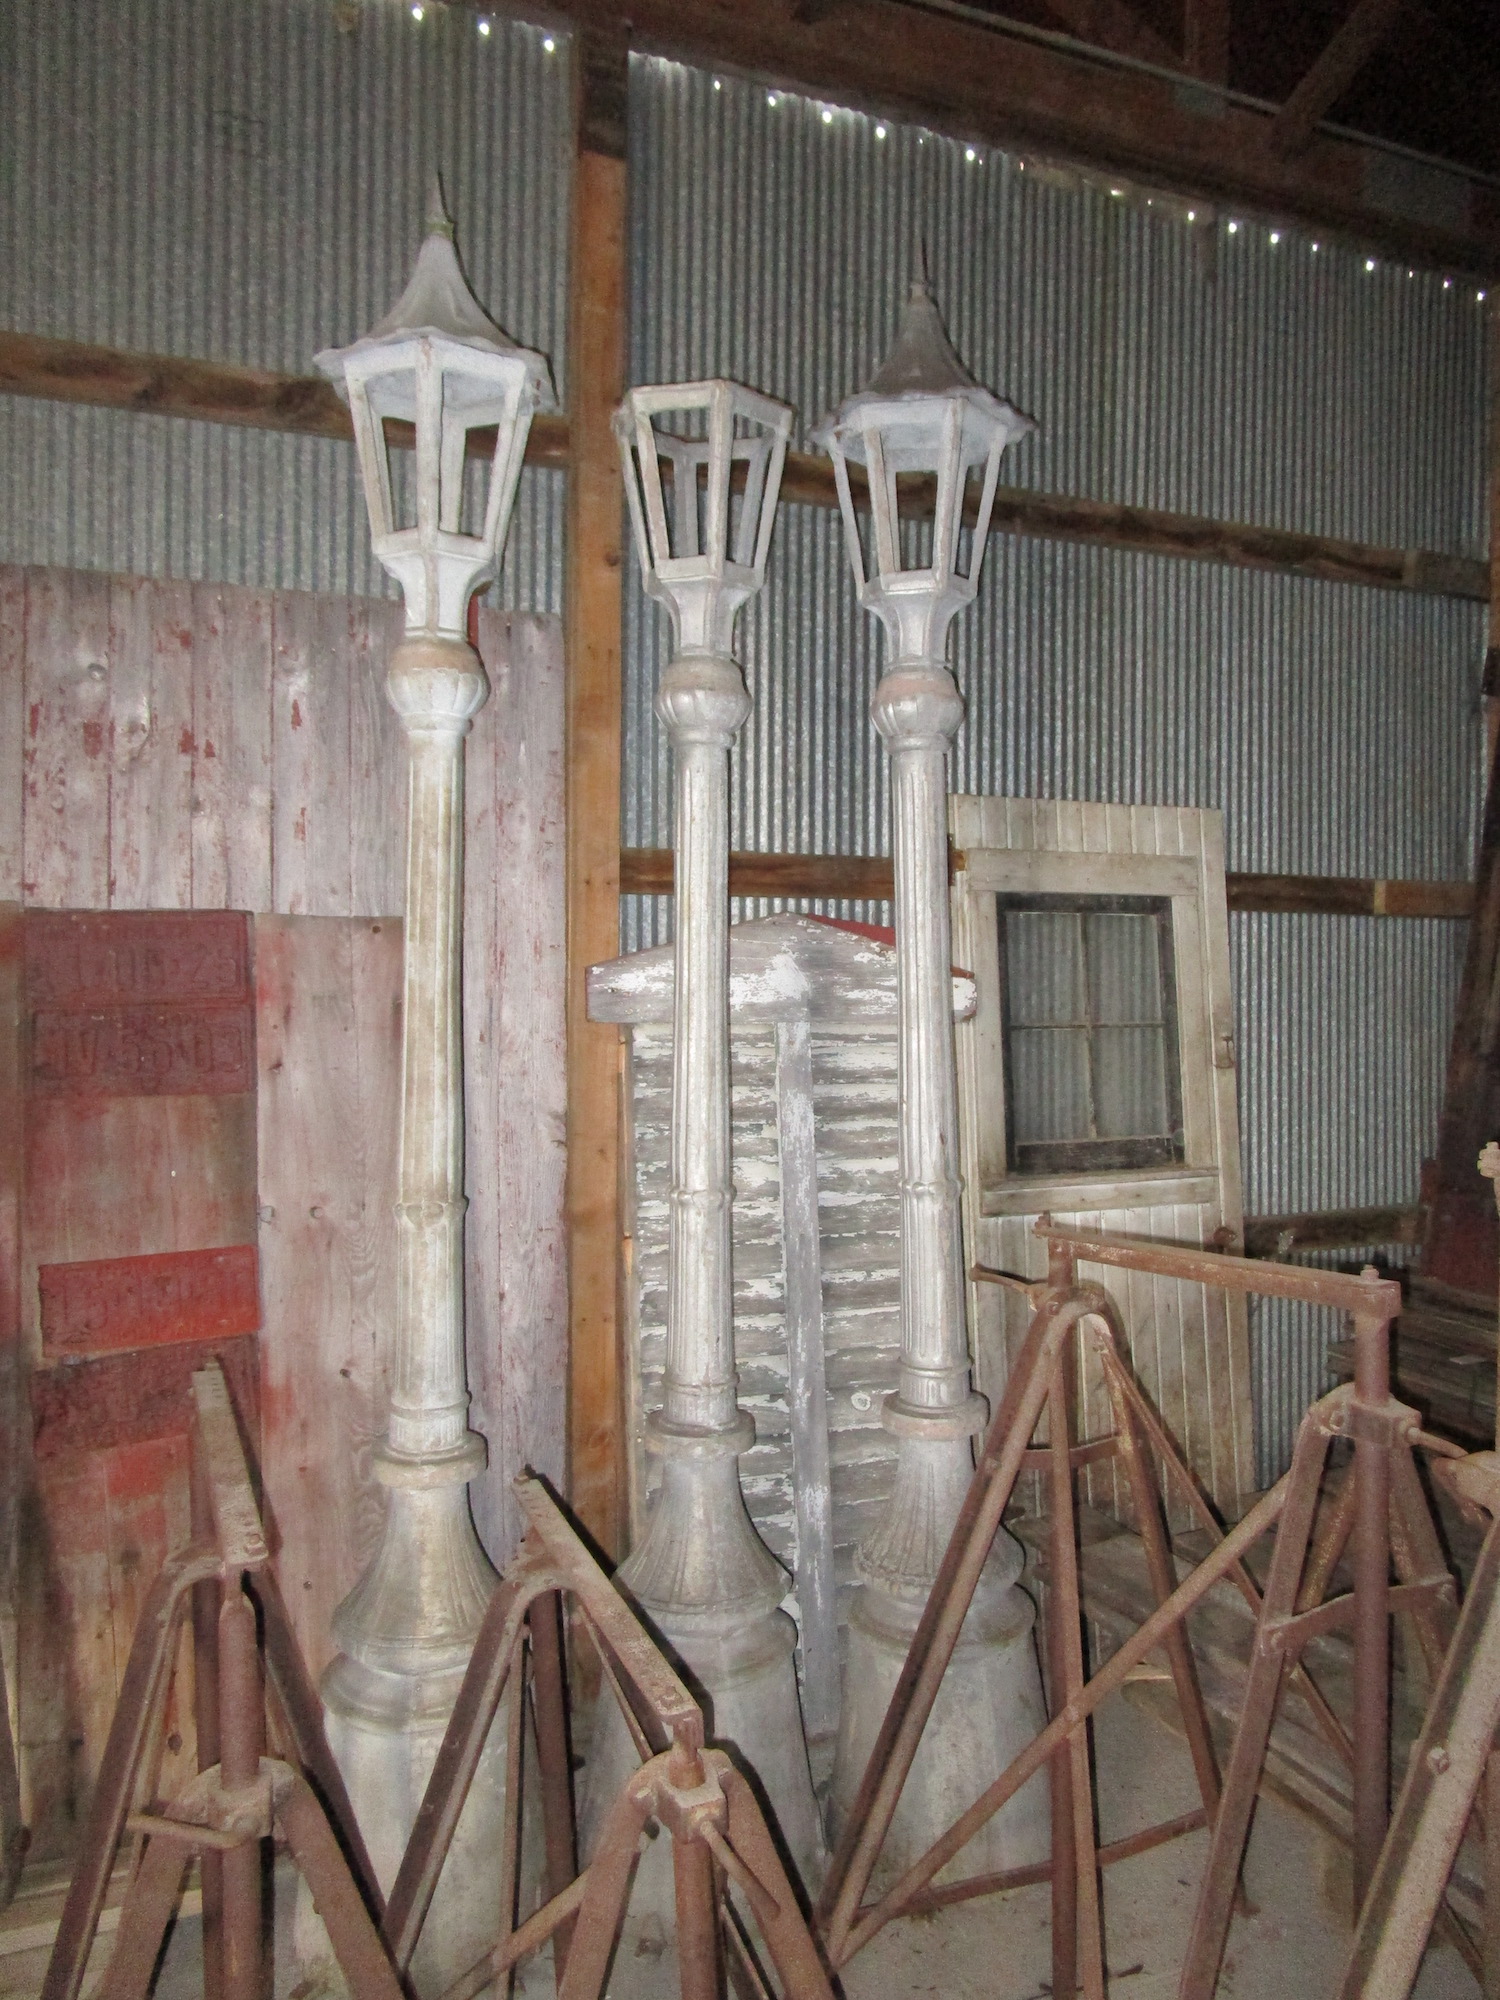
<point x="137" y="1261"/>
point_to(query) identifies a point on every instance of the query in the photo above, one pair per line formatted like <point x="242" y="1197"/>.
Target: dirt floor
<point x="1290" y="1946"/>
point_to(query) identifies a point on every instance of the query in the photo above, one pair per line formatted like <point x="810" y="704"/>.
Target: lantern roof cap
<point x="438" y="302"/>
<point x="923" y="364"/>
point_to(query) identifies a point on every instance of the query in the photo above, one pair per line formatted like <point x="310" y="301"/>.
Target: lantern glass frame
<point x="722" y="536"/>
<point x="939" y="439"/>
<point x="445" y="389"/>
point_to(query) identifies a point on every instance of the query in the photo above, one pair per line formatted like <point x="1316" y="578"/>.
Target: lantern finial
<point x="438" y="300"/>
<point x="439" y="221"/>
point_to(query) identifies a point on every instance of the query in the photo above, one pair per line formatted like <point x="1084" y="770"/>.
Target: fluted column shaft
<point x="991" y="1700"/>
<point x="705" y="1581"/>
<point x="917" y="710"/>
<point x="437" y="688"/>
<point x="703" y="703"/>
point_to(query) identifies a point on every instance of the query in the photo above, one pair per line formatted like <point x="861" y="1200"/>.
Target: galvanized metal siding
<point x="246" y="183"/>
<point x="1172" y="364"/>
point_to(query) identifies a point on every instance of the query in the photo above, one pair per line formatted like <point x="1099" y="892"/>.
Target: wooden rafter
<point x="1114" y="25"/>
<point x="1364" y="28"/>
<point x="1206" y="39"/>
<point x="981" y="80"/>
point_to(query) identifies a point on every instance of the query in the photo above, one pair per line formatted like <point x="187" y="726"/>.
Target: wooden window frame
<point x="1122" y="1153"/>
<point x="1026" y="875"/>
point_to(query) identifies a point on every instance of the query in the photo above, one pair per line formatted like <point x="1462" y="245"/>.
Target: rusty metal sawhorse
<point x="240" y="1796"/>
<point x="1453" y="1761"/>
<point x="695" y="1794"/>
<point x="1381" y="1507"/>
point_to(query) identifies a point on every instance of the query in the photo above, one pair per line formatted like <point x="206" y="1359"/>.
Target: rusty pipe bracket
<point x="689" y="1811"/>
<point x="1289" y="1635"/>
<point x="1473" y="1480"/>
<point x="1034" y="1290"/>
<point x="1389" y="1424"/>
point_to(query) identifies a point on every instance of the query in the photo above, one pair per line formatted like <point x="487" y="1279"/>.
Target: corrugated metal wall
<point x="246" y="183"/>
<point x="1172" y="362"/>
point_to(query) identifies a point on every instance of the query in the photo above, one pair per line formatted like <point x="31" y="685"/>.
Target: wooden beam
<point x="1330" y="1229"/>
<point x="1349" y="896"/>
<point x="222" y="392"/>
<point x="1115" y="26"/>
<point x="1152" y="531"/>
<point x="1362" y="31"/>
<point x="215" y="392"/>
<point x="647" y="871"/>
<point x="1490" y="682"/>
<point x="1206" y="39"/>
<point x="987" y="81"/>
<point x="596" y="375"/>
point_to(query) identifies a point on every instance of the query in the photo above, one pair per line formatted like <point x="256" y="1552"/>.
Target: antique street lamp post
<point x="702" y="465"/>
<point x="921" y="431"/>
<point x="406" y="1629"/>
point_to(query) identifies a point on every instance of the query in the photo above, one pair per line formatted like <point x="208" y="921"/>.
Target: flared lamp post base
<point x="990" y="1705"/>
<point x="711" y="1592"/>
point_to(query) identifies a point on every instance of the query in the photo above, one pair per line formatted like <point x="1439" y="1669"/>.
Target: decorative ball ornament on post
<point x="406" y="1629"/>
<point x="925" y="425"/>
<point x="702" y="465"/>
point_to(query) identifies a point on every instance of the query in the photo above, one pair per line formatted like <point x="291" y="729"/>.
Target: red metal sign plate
<point x="116" y="1399"/>
<point x="120" y="1302"/>
<point x="140" y="1003"/>
<point x="86" y="961"/>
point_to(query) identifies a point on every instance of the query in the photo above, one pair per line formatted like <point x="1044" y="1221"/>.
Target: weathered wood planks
<point x="328" y="1002"/>
<point x="175" y="746"/>
<point x="207" y="747"/>
<point x="515" y="1063"/>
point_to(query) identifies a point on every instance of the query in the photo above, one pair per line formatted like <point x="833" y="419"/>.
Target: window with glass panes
<point x="1093" y="1081"/>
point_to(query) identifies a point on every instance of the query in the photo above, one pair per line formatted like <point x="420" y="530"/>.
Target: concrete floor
<point x="1291" y="1947"/>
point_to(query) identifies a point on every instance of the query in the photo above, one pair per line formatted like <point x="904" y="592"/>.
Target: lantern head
<point x="702" y="465"/>
<point x="923" y="431"/>
<point x="438" y="362"/>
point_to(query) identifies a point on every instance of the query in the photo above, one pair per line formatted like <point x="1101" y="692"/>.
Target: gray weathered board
<point x="174" y="746"/>
<point x="816" y="1240"/>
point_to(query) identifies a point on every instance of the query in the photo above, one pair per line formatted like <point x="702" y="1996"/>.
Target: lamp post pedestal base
<point x="990" y="1704"/>
<point x="405" y="1633"/>
<point x="710" y="1591"/>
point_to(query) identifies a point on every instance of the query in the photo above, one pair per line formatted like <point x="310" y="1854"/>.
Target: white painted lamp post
<point x="701" y="1575"/>
<point x="406" y="1629"/>
<point x="924" y="417"/>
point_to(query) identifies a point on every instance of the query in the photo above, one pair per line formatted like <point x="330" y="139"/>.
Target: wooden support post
<point x="596" y="381"/>
<point x="1491" y="685"/>
<point x="1205" y="38"/>
<point x="1361" y="32"/>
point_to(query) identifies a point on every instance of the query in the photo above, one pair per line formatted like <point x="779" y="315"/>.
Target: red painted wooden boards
<point x="140" y="1003"/>
<point x="168" y="746"/>
<point x="194" y="746"/>
<point x="131" y="1302"/>
<point x="137" y="1260"/>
